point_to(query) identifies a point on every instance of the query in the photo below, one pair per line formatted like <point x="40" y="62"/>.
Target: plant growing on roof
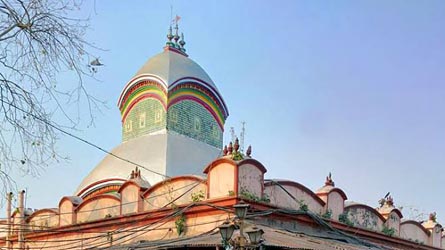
<point x="180" y="224"/>
<point x="237" y="156"/>
<point x="388" y="230"/>
<point x="198" y="196"/>
<point x="343" y="218"/>
<point x="303" y="206"/>
<point x="327" y="214"/>
<point x="246" y="194"/>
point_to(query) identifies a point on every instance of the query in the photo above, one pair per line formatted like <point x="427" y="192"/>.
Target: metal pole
<point x="21" y="228"/>
<point x="8" y="221"/>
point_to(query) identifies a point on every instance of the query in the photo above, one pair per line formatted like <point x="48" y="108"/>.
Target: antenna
<point x="232" y="133"/>
<point x="241" y="135"/>
<point x="171" y="13"/>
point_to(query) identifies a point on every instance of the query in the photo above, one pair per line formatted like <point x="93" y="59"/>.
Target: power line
<point x="81" y="139"/>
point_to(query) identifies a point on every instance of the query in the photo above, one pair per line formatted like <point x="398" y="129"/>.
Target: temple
<point x="171" y="184"/>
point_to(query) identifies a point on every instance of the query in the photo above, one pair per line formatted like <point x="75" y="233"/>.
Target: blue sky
<point x="355" y="88"/>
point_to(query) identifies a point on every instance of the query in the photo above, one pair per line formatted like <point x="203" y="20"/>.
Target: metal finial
<point x="329" y="181"/>
<point x="225" y="151"/>
<point x="230" y="148"/>
<point x="170" y="37"/>
<point x="176" y="37"/>
<point x="182" y="42"/>
<point x="249" y="151"/>
<point x="236" y="145"/>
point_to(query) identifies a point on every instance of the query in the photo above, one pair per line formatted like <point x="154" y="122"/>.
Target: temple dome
<point x="171" y="66"/>
<point x="154" y="152"/>
<point x="172" y="124"/>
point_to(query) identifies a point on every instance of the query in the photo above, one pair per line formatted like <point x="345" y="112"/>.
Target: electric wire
<point x="108" y="207"/>
<point x="81" y="139"/>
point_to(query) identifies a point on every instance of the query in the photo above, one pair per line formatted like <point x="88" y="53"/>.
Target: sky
<point x="356" y="88"/>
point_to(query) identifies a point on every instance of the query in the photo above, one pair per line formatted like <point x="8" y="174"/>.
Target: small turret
<point x="236" y="146"/>
<point x="225" y="151"/>
<point x="169" y="43"/>
<point x="176" y="37"/>
<point x="329" y="181"/>
<point x="249" y="151"/>
<point x="230" y="148"/>
<point x="182" y="42"/>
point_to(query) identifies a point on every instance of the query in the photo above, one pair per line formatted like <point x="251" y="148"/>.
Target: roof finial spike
<point x="176" y="37"/>
<point x="249" y="151"/>
<point x="182" y="42"/>
<point x="170" y="37"/>
<point x="236" y="145"/>
<point x="329" y="181"/>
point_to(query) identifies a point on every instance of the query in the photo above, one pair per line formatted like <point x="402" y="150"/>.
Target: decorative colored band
<point x="199" y="97"/>
<point x="203" y="91"/>
<point x="183" y="91"/>
<point x="141" y="91"/>
<point x="208" y="87"/>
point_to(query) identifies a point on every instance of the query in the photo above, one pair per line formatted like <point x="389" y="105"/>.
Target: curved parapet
<point x="98" y="207"/>
<point x="293" y="195"/>
<point x="242" y="178"/>
<point x="131" y="191"/>
<point x="175" y="191"/>
<point x="98" y="187"/>
<point x="43" y="219"/>
<point x="414" y="231"/>
<point x="364" y="216"/>
<point x="435" y="230"/>
<point x="67" y="206"/>
<point x="333" y="197"/>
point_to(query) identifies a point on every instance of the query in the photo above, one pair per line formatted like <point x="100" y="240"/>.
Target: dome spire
<point x="176" y="37"/>
<point x="182" y="43"/>
<point x="174" y="41"/>
<point x="169" y="37"/>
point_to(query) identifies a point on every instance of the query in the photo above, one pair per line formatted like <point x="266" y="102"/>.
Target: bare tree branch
<point x="38" y="40"/>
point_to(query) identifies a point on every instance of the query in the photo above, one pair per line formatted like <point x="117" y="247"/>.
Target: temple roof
<point x="172" y="65"/>
<point x="166" y="153"/>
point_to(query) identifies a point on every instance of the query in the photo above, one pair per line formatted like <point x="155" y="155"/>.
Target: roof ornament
<point x="230" y="148"/>
<point x="170" y="37"/>
<point x="249" y="151"/>
<point x="135" y="174"/>
<point x="176" y="37"/>
<point x="329" y="181"/>
<point x="225" y="150"/>
<point x="387" y="200"/>
<point x="182" y="43"/>
<point x="174" y="41"/>
<point x="432" y="217"/>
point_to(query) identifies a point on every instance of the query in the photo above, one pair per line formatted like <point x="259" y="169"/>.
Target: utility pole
<point x="8" y="221"/>
<point x="21" y="227"/>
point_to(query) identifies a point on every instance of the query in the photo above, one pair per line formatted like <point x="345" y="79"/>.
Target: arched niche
<point x="43" y="219"/>
<point x="414" y="231"/>
<point x="67" y="206"/>
<point x="175" y="191"/>
<point x="98" y="207"/>
<point x="364" y="216"/>
<point x="293" y="195"/>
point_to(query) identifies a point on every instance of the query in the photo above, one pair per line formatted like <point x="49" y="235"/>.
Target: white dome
<point x="167" y="153"/>
<point x="171" y="66"/>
